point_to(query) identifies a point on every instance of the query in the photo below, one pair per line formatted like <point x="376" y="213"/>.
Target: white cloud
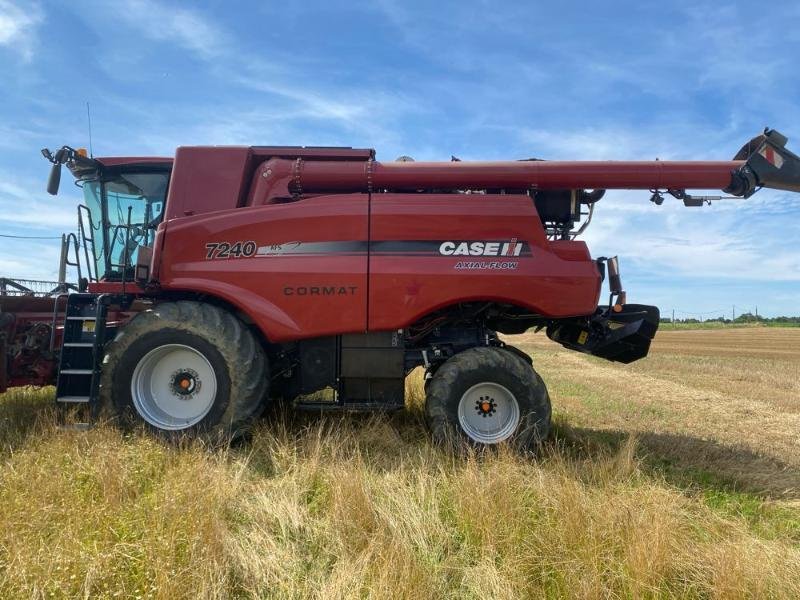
<point x="23" y="204"/>
<point x="731" y="243"/>
<point x="26" y="210"/>
<point x="287" y="99"/>
<point x="29" y="259"/>
<point x="18" y="25"/>
<point x="40" y="215"/>
<point x="185" y="27"/>
<point x="364" y="112"/>
<point x="599" y="143"/>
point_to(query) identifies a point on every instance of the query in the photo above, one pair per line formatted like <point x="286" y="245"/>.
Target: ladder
<point x="82" y="354"/>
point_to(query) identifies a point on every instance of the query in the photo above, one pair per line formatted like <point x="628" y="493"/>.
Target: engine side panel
<point x="432" y="250"/>
<point x="299" y="269"/>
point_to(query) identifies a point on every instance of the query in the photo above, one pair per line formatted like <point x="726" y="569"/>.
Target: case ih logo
<point x="510" y="248"/>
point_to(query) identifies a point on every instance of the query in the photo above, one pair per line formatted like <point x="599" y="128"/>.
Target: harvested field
<point x="722" y="399"/>
<point x="677" y="476"/>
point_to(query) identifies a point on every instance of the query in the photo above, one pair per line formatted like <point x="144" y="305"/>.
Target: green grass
<point x="764" y="517"/>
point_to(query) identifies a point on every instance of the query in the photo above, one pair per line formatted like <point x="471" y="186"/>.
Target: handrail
<point x="65" y="255"/>
<point x="86" y="240"/>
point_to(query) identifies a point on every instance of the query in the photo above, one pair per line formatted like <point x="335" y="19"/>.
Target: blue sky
<point x="481" y="80"/>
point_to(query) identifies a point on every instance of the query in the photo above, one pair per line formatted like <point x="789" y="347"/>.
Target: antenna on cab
<point x="89" y="119"/>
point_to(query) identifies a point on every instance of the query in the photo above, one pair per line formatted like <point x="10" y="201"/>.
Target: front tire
<point x="185" y="368"/>
<point x="488" y="396"/>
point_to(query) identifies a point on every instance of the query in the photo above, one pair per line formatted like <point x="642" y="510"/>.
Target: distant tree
<point x="786" y="319"/>
<point x="746" y="317"/>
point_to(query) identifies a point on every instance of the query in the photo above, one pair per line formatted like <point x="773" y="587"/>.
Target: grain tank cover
<point x="211" y="178"/>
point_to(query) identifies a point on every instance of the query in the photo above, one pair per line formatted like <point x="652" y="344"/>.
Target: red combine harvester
<point x="216" y="281"/>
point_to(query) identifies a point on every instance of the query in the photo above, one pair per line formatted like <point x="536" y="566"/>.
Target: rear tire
<point x="185" y="368"/>
<point x="487" y="396"/>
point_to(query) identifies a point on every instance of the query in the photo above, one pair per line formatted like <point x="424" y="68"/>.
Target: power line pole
<point x="733" y="313"/>
<point x="673" y="318"/>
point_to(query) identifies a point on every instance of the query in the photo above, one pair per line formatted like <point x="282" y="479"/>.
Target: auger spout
<point x="763" y="162"/>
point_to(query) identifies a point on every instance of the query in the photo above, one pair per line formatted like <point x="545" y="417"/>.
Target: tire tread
<point x="442" y="420"/>
<point x="243" y="354"/>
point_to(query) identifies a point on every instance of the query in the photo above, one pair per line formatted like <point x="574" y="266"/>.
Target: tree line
<point x="746" y="317"/>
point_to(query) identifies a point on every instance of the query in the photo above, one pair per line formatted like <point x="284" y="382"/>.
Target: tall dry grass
<point x="357" y="507"/>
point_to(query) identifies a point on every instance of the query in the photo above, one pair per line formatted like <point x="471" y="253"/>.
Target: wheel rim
<point x="173" y="387"/>
<point x="488" y="413"/>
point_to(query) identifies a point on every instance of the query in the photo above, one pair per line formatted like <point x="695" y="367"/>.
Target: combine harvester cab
<point x="216" y="281"/>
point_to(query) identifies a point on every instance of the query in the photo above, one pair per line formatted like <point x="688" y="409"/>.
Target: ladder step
<point x="349" y="406"/>
<point x="77" y="386"/>
<point x="76" y="427"/>
<point x="73" y="399"/>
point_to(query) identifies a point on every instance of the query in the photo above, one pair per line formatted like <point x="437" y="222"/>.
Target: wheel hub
<point x="486" y="406"/>
<point x="185" y="383"/>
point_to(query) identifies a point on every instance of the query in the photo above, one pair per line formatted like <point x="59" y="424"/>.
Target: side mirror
<point x="54" y="180"/>
<point x="57" y="159"/>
